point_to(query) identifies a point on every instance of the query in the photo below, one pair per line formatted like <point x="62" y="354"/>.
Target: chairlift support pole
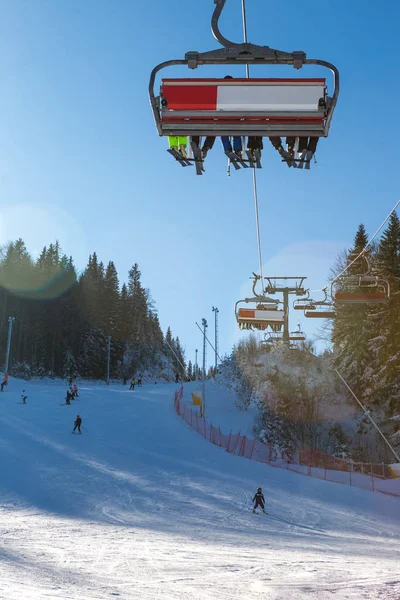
<point x="195" y="364"/>
<point x="216" y="311"/>
<point x="286" y="289"/>
<point x="204" y="323"/>
<point x="286" y="317"/>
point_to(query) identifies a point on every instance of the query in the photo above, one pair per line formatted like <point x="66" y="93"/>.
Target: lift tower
<point x="285" y="286"/>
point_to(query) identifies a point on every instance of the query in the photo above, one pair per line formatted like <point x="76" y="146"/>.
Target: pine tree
<point x="349" y="331"/>
<point x="190" y="370"/>
<point x="384" y="334"/>
<point x="62" y="323"/>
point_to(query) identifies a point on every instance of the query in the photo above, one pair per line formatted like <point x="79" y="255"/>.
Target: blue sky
<point x="81" y="161"/>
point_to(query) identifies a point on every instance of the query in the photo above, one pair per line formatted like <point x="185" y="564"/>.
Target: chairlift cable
<point x="255" y="192"/>
<point x="367" y="412"/>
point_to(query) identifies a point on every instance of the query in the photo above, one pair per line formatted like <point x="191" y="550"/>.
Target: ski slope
<point x="140" y="506"/>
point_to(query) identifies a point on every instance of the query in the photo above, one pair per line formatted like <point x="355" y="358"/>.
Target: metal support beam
<point x="204" y="323"/>
<point x="216" y="311"/>
<point x="286" y="315"/>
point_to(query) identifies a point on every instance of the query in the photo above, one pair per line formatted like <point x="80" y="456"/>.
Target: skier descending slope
<point x="259" y="500"/>
<point x="77" y="424"/>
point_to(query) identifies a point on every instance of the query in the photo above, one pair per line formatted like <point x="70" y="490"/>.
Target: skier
<point x="139" y="379"/>
<point x="68" y="398"/>
<point x="178" y="144"/>
<point x="177" y="378"/>
<point x="70" y="380"/>
<point x="4" y="382"/>
<point x="208" y="144"/>
<point x="125" y="380"/>
<point x="77" y="424"/>
<point x="132" y="384"/>
<point x="259" y="500"/>
<point x="23" y="397"/>
<point x="75" y="391"/>
<point x="237" y="140"/>
<point x="254" y="143"/>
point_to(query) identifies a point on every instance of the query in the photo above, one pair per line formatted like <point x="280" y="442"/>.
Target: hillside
<point x="298" y="400"/>
<point x="140" y="506"/>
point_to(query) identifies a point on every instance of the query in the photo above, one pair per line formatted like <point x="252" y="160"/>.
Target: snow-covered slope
<point x="141" y="506"/>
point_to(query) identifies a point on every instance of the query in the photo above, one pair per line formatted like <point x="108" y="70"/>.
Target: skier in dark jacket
<point x="68" y="397"/>
<point x="77" y="424"/>
<point x="24" y="397"/>
<point x="259" y="500"/>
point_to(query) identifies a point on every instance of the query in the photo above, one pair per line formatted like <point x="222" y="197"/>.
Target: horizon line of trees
<point x="63" y="319"/>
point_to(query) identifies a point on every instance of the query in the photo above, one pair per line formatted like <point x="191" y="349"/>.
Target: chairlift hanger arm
<point x="250" y="51"/>
<point x="241" y="54"/>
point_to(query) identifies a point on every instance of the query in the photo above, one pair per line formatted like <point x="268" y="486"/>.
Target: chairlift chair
<point x="361" y="288"/>
<point x="271" y="338"/>
<point x="361" y="297"/>
<point x="319" y="314"/>
<point x="261" y="317"/>
<point x="298" y="335"/>
<point x="315" y="309"/>
<point x="304" y="303"/>
<point x="298" y="109"/>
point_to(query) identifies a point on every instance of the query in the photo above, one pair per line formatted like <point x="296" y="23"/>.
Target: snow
<point x="221" y="409"/>
<point x="141" y="506"/>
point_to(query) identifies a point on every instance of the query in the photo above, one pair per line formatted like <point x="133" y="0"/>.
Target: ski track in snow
<point x="141" y="506"/>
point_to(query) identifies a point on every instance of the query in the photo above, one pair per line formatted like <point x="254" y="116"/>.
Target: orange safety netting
<point x="312" y="462"/>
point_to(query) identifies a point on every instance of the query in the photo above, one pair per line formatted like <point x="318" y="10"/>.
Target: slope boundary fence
<point x="374" y="477"/>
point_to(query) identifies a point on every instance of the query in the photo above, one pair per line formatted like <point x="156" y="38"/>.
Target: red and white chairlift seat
<point x="257" y="107"/>
<point x="260" y="318"/>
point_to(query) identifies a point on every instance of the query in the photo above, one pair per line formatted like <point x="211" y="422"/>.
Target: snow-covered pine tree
<point x="109" y="312"/>
<point x="384" y="336"/>
<point x="350" y="327"/>
<point x="190" y="370"/>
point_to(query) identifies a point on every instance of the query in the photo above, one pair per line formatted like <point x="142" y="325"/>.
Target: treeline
<point x="63" y="319"/>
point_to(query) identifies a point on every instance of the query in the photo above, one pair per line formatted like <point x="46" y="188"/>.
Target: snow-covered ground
<point x="141" y="506"/>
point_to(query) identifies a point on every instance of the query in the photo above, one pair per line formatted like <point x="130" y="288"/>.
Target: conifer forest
<point x="63" y="318"/>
